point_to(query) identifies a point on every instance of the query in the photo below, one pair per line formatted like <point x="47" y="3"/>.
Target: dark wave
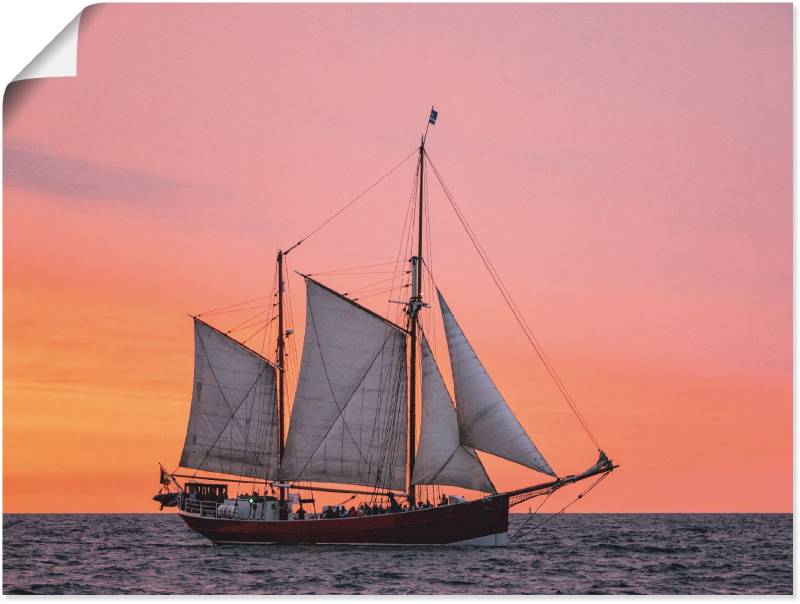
<point x="574" y="554"/>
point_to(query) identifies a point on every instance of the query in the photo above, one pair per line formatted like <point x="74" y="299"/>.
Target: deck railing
<point x="195" y="506"/>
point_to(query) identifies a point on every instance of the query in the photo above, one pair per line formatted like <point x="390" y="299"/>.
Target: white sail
<point x="485" y="421"/>
<point x="233" y="421"/>
<point x="441" y="458"/>
<point x="349" y="418"/>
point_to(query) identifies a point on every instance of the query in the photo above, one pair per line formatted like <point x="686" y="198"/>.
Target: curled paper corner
<point x="58" y="59"/>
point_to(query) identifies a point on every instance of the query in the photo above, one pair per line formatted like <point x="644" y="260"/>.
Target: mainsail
<point x="349" y="422"/>
<point x="233" y="421"/>
<point x="441" y="458"/>
<point x="485" y="421"/>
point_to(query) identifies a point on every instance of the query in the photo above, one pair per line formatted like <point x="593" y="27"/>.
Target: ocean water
<point x="573" y="554"/>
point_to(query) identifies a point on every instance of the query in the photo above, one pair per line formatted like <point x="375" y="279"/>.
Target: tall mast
<point x="413" y="309"/>
<point x="281" y="378"/>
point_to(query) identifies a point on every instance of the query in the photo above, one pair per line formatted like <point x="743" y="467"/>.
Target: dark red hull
<point x="481" y="522"/>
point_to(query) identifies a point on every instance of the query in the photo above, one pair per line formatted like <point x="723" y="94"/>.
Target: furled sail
<point x="441" y="458"/>
<point x="485" y="421"/>
<point x="233" y="421"/>
<point x="349" y="418"/>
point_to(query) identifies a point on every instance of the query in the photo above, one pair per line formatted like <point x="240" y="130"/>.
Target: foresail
<point x="441" y="458"/>
<point x="233" y="421"/>
<point x="349" y="417"/>
<point x="485" y="420"/>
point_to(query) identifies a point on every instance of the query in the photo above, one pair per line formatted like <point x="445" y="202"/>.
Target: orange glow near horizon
<point x="627" y="168"/>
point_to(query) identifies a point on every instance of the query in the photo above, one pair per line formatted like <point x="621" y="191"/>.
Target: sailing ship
<point x="353" y="425"/>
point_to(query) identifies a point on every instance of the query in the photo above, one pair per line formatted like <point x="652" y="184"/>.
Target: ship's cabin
<point x="200" y="491"/>
<point x="207" y="499"/>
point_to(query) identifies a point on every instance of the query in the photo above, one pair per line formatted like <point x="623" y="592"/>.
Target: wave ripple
<point x="575" y="554"/>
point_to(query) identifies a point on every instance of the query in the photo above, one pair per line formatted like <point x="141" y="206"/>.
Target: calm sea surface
<point x="573" y="554"/>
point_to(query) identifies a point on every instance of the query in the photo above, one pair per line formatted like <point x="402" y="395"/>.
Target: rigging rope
<point x="367" y="286"/>
<point x="519" y="532"/>
<point x="223" y="309"/>
<point x="256" y="319"/>
<point x="513" y="307"/>
<point x="354" y="200"/>
<point x="372" y="294"/>
<point x="270" y="305"/>
<point x="347" y="269"/>
<point x="404" y="250"/>
<point x="290" y="384"/>
<point x="255" y="333"/>
<point x="531" y="515"/>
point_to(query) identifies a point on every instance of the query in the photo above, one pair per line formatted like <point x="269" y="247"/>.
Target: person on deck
<point x="444" y="500"/>
<point x="352" y="513"/>
<point x="394" y="507"/>
<point x="301" y="513"/>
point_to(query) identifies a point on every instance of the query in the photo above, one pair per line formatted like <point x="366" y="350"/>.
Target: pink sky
<point x="627" y="167"/>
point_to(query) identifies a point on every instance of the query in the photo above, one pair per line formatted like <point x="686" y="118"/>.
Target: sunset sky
<point x="627" y="168"/>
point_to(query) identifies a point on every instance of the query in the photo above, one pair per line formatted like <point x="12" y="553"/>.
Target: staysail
<point x="349" y="422"/>
<point x="485" y="421"/>
<point x="233" y="421"/>
<point x="441" y="458"/>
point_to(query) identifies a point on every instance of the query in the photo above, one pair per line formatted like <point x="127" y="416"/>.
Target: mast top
<point x="431" y="120"/>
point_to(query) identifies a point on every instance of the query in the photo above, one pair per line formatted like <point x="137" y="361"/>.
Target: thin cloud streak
<point x="28" y="168"/>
